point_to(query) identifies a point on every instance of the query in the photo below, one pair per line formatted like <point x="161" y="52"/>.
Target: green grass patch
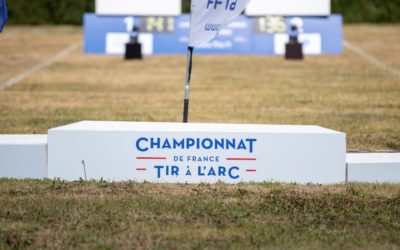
<point x="56" y="214"/>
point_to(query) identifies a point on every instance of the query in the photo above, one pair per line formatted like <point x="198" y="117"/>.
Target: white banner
<point x="208" y="17"/>
<point x="139" y="7"/>
<point x="289" y="8"/>
<point x="196" y="153"/>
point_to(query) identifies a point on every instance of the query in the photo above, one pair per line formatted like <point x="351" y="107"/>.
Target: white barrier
<point x="374" y="168"/>
<point x="289" y="8"/>
<point x="194" y="153"/>
<point x="23" y="156"/>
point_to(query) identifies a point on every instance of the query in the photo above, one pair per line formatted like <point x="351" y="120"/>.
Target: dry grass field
<point x="52" y="214"/>
<point x="345" y="92"/>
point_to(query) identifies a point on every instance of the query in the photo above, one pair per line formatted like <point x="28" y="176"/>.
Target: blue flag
<point x="3" y="14"/>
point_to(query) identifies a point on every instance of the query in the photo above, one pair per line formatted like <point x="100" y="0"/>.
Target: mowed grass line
<point x="23" y="47"/>
<point x="378" y="40"/>
<point x="345" y="93"/>
<point x="87" y="215"/>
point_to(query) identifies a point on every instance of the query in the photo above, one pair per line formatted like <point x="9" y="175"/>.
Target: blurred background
<point x="51" y="73"/>
<point x="71" y="11"/>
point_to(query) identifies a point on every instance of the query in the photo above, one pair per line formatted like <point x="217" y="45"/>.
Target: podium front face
<point x="23" y="156"/>
<point x="196" y="153"/>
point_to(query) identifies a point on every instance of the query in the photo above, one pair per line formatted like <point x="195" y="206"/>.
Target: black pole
<point x="187" y="85"/>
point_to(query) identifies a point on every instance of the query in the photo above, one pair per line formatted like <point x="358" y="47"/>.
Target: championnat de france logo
<point x="221" y="158"/>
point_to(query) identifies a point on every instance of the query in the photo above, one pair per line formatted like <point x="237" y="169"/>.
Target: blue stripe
<point x="3" y="14"/>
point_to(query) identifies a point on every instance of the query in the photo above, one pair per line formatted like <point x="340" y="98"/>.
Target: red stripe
<point x="141" y="169"/>
<point x="151" y="158"/>
<point x="241" y="159"/>
<point x="251" y="170"/>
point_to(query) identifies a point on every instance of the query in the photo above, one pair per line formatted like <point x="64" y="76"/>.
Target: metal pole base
<point x="185" y="111"/>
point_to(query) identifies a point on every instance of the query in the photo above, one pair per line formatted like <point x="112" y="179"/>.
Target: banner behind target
<point x="246" y="35"/>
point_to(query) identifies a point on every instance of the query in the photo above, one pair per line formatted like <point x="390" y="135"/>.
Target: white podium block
<point x="196" y="153"/>
<point x="23" y="156"/>
<point x="373" y="167"/>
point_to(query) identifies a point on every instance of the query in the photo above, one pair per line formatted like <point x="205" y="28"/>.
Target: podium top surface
<point x="192" y="127"/>
<point x="23" y="139"/>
